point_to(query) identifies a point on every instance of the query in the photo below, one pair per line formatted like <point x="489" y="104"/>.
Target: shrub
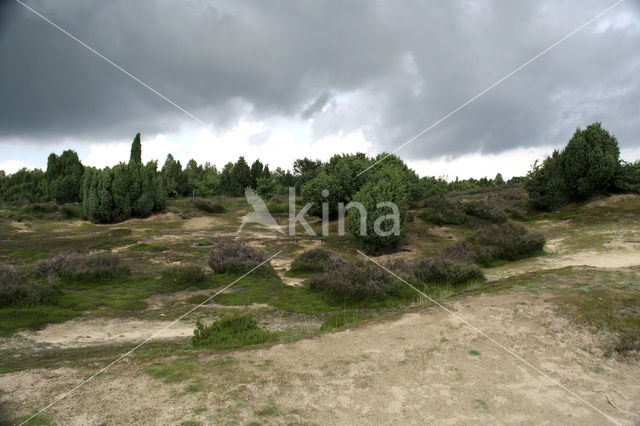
<point x="507" y="241"/>
<point x="385" y="201"/>
<point x="16" y="289"/>
<point x="236" y="257"/>
<point x="440" y="210"/>
<point x="229" y="333"/>
<point x="627" y="177"/>
<point x="546" y="185"/>
<point x="72" y="212"/>
<point x="589" y="161"/>
<point x="436" y="270"/>
<point x="180" y="277"/>
<point x="82" y="267"/>
<point x="586" y="166"/>
<point x="356" y="282"/>
<point x="207" y="205"/>
<point x="315" y="261"/>
<point x="485" y="210"/>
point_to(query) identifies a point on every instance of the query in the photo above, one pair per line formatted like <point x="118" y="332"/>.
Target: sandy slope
<point x="414" y="369"/>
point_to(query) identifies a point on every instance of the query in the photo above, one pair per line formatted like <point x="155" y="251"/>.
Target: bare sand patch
<point x="101" y="331"/>
<point x="424" y="367"/>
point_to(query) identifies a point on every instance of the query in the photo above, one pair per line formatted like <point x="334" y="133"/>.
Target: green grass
<point x="29" y="254"/>
<point x="12" y="319"/>
<point x="276" y="294"/>
<point x="148" y="247"/>
<point x="341" y="319"/>
<point x="611" y="308"/>
<point x="178" y="370"/>
<point x="232" y="332"/>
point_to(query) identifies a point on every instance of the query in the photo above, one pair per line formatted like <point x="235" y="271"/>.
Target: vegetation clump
<point x="17" y="289"/>
<point x="341" y="319"/>
<point x="355" y="283"/>
<point x="71" y="265"/>
<point x="206" y="205"/>
<point x="180" y="277"/>
<point x="486" y="210"/>
<point x="438" y="270"/>
<point x="315" y="261"/>
<point x="440" y="210"/>
<point x="506" y="241"/>
<point x="588" y="165"/>
<point x="236" y="257"/>
<point x="231" y="332"/>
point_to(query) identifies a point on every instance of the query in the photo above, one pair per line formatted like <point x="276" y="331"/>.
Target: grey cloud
<point x="389" y="69"/>
<point x="316" y="106"/>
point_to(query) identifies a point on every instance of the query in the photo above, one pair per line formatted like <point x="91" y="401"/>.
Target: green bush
<point x="586" y="166"/>
<point x="589" y="162"/>
<point x="115" y="194"/>
<point x="506" y="241"/>
<point x="627" y="177"/>
<point x="207" y="205"/>
<point x="386" y="202"/>
<point x="546" y="185"/>
<point x="232" y="332"/>
<point x="315" y="261"/>
<point x="180" y="277"/>
<point x="63" y="178"/>
<point x="440" y="210"/>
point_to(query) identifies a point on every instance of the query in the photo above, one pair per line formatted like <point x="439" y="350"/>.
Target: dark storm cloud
<point x="391" y="69"/>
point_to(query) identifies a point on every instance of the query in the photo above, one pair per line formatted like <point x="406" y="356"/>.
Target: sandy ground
<point x="426" y="366"/>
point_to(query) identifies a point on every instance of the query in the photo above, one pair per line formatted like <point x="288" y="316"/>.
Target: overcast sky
<point x="280" y="80"/>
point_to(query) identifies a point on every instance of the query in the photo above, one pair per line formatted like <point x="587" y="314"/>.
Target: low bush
<point x="277" y="205"/>
<point x="207" y="205"/>
<point x="507" y="241"/>
<point x="437" y="270"/>
<point x="236" y="257"/>
<point x="440" y="210"/>
<point x="180" y="277"/>
<point x="82" y="267"/>
<point x="315" y="261"/>
<point x="17" y="289"/>
<point x="70" y="211"/>
<point x="232" y="332"/>
<point x="486" y="210"/>
<point x="356" y="282"/>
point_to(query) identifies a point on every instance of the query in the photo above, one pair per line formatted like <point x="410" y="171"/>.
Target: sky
<point x="281" y="80"/>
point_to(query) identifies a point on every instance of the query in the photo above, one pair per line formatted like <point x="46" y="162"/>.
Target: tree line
<point x="62" y="182"/>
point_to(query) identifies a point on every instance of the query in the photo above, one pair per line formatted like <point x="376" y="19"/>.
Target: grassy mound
<point x="504" y="242"/>
<point x="180" y="277"/>
<point x="229" y="333"/>
<point x="207" y="205"/>
<point x="236" y="257"/>
<point x="315" y="261"/>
